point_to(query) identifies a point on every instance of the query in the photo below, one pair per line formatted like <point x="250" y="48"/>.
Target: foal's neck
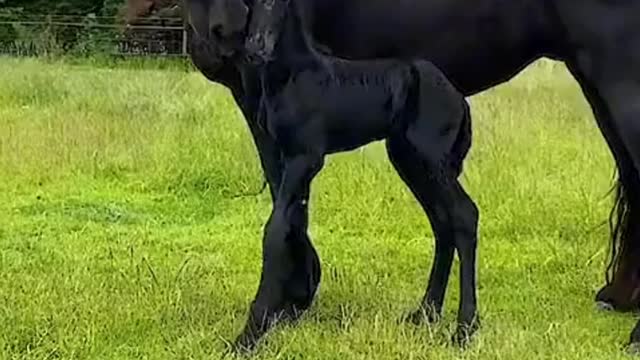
<point x="295" y="46"/>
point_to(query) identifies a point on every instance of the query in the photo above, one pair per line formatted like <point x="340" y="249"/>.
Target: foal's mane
<point x="295" y="33"/>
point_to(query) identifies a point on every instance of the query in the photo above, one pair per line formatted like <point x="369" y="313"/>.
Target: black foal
<point x="314" y="105"/>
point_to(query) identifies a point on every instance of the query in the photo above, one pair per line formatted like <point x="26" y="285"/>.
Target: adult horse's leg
<point x="454" y="219"/>
<point x="275" y="297"/>
<point x="605" y="59"/>
<point x="622" y="289"/>
<point x="612" y="87"/>
<point x="623" y="103"/>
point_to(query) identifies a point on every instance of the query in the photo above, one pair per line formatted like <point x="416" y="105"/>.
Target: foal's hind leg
<point x="275" y="297"/>
<point x="404" y="160"/>
<point x="454" y="218"/>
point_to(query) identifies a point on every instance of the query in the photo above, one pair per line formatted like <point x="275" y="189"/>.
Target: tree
<point x="71" y="7"/>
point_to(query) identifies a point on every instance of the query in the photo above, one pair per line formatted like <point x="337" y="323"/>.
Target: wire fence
<point x="33" y="35"/>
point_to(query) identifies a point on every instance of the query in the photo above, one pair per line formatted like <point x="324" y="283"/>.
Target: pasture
<point x="121" y="236"/>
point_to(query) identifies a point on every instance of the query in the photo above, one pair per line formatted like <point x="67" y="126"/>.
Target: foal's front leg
<point x="304" y="280"/>
<point x="276" y="297"/>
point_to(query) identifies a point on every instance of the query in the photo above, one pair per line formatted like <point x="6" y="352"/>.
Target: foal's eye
<point x="268" y="4"/>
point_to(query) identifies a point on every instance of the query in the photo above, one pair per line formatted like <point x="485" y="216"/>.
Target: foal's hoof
<point x="424" y="315"/>
<point x="254" y="330"/>
<point x="244" y="344"/>
<point x="464" y="333"/>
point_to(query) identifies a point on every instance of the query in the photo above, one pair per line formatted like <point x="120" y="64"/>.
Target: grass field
<point x="120" y="237"/>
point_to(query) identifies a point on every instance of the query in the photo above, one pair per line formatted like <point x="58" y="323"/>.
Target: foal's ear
<point x="198" y="17"/>
<point x="236" y="15"/>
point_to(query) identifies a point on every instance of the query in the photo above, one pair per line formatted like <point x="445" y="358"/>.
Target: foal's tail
<point x="435" y="85"/>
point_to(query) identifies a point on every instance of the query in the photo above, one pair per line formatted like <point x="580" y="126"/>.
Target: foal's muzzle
<point x="253" y="59"/>
<point x="255" y="47"/>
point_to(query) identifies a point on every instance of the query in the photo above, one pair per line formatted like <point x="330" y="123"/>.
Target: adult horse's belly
<point x="476" y="45"/>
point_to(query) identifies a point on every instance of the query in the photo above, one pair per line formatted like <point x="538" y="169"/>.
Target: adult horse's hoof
<point x="605" y="299"/>
<point x="604" y="306"/>
<point x="621" y="296"/>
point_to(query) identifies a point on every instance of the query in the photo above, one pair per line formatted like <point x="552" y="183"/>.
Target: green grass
<point x="120" y="237"/>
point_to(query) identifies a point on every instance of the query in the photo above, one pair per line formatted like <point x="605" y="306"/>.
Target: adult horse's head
<point x="215" y="28"/>
<point x="215" y="21"/>
<point x="218" y="21"/>
<point x="266" y="23"/>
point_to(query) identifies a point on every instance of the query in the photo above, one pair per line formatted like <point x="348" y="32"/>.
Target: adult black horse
<point x="477" y="46"/>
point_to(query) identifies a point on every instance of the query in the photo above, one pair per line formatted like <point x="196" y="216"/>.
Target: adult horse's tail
<point x="618" y="223"/>
<point x="622" y="290"/>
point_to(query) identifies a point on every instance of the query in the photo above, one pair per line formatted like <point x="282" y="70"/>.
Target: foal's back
<point x="351" y="103"/>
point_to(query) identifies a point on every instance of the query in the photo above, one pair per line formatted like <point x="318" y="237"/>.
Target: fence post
<point x="184" y="41"/>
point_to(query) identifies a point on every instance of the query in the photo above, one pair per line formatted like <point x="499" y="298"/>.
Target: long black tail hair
<point x="620" y="222"/>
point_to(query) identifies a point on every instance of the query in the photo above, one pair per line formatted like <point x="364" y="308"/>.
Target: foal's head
<point x="264" y="29"/>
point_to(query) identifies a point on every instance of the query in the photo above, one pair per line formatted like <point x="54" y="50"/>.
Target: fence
<point x="29" y="35"/>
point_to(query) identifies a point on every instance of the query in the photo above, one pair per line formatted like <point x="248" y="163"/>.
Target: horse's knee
<point x="298" y="214"/>
<point x="275" y="234"/>
<point x="471" y="211"/>
<point x="275" y="223"/>
<point x="465" y="220"/>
